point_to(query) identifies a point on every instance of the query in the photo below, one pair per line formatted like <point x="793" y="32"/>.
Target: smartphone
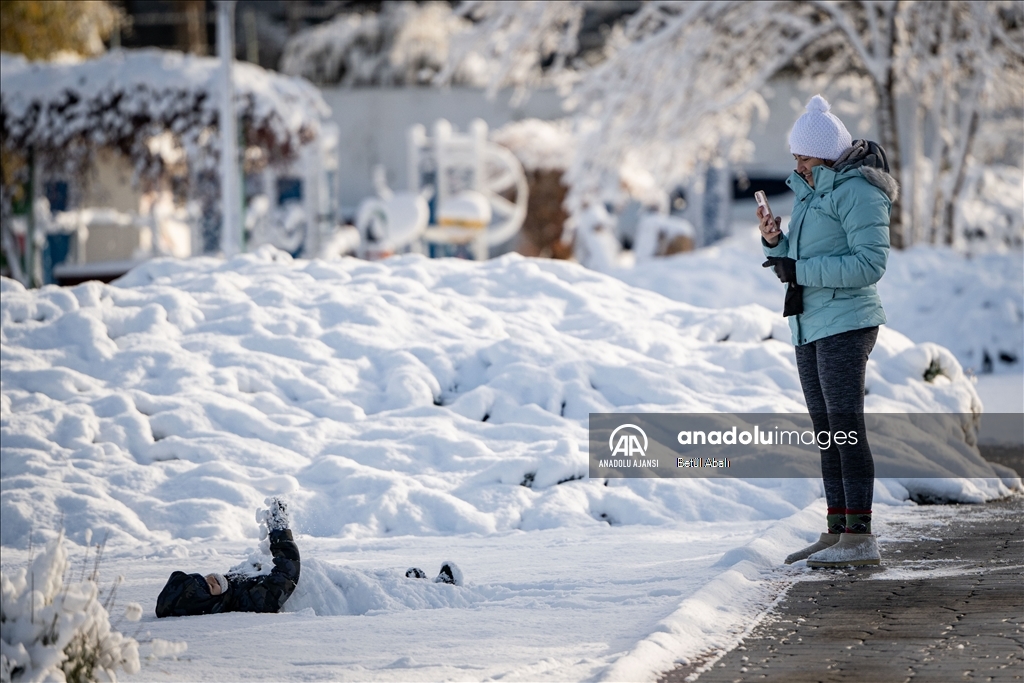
<point x="762" y="200"/>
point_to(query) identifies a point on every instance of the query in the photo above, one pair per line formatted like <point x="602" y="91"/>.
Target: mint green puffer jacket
<point x="839" y="237"/>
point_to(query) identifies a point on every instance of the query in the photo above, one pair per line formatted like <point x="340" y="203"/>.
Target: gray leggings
<point x="832" y="376"/>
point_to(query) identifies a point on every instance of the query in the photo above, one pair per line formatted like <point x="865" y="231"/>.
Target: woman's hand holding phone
<point x="769" y="224"/>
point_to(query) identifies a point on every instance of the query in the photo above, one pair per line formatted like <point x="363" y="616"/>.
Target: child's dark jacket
<point x="187" y="594"/>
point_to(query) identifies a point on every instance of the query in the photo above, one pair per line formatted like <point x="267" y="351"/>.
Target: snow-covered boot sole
<point x="825" y="541"/>
<point x="450" y="574"/>
<point x="852" y="550"/>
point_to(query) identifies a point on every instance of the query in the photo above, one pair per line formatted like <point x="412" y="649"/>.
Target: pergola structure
<point x="157" y="108"/>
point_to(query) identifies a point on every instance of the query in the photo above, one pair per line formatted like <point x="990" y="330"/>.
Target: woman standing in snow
<point x="835" y="252"/>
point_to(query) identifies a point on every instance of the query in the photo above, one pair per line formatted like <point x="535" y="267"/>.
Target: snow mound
<point x="972" y="305"/>
<point x="330" y="589"/>
<point x="411" y="396"/>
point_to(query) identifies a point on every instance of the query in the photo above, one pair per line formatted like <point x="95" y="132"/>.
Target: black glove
<point x="784" y="267"/>
<point x="794" y="300"/>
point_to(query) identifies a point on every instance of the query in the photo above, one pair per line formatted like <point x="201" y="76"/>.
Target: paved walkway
<point x="949" y="609"/>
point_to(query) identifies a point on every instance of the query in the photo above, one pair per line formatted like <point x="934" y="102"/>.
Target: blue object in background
<point x="56" y="192"/>
<point x="56" y="251"/>
<point x="252" y="185"/>
<point x="289" y="189"/>
<point x="437" y="250"/>
<point x="715" y="205"/>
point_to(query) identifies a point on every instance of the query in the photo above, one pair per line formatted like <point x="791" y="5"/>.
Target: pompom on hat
<point x="819" y="133"/>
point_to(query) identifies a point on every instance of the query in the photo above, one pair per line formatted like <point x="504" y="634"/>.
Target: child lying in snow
<point x="192" y="594"/>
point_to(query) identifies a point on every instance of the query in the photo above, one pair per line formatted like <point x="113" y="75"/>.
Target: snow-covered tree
<point x="524" y="44"/>
<point x="405" y="43"/>
<point x="961" y="63"/>
<point x="58" y="29"/>
<point x="429" y="43"/>
<point x="681" y="83"/>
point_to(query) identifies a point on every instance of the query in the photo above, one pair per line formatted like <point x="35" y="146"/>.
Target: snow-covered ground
<point x="416" y="411"/>
<point x="601" y="603"/>
<point x="560" y="604"/>
<point x="1002" y="393"/>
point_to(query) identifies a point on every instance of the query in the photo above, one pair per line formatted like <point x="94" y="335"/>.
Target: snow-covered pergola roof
<point x="123" y="99"/>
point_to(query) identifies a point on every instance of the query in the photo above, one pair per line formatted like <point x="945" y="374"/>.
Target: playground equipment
<point x="465" y="195"/>
<point x="391" y="222"/>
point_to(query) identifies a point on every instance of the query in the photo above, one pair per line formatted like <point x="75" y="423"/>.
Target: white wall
<point x="109" y="184"/>
<point x="372" y="125"/>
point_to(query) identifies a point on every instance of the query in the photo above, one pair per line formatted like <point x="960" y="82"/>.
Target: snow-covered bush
<point x="539" y="145"/>
<point x="545" y="149"/>
<point x="284" y="227"/>
<point x="990" y="215"/>
<point x="54" y="630"/>
<point x="595" y="243"/>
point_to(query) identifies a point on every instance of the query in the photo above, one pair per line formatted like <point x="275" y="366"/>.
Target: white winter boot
<point x="852" y="550"/>
<point x="826" y="541"/>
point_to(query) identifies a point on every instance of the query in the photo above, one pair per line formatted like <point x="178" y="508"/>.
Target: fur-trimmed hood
<point x="870" y="159"/>
<point x="882" y="180"/>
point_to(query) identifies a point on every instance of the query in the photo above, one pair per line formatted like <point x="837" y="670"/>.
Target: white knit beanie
<point x="818" y="133"/>
<point x="223" y="581"/>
